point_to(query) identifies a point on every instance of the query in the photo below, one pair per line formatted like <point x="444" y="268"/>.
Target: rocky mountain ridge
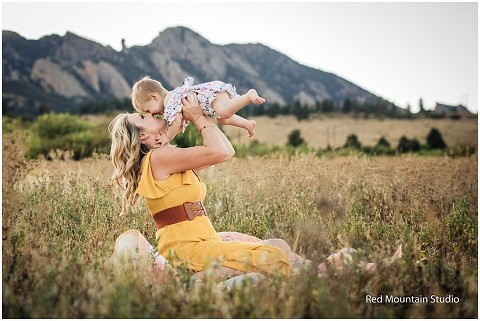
<point x="60" y="72"/>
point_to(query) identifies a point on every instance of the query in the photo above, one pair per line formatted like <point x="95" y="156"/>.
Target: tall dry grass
<point x="325" y="130"/>
<point x="60" y="222"/>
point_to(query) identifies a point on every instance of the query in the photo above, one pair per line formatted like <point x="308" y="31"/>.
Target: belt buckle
<point x="194" y="209"/>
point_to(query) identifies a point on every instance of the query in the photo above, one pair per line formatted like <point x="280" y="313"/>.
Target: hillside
<point x="58" y="73"/>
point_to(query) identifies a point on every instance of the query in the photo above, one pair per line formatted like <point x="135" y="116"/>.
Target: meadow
<point x="320" y="131"/>
<point x="60" y="221"/>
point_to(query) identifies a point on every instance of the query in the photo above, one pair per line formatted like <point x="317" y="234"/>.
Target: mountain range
<point x="61" y="72"/>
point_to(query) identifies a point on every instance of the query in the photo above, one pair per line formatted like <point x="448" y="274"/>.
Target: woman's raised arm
<point x="167" y="160"/>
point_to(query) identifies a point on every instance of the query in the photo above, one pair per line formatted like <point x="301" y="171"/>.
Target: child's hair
<point x="142" y="89"/>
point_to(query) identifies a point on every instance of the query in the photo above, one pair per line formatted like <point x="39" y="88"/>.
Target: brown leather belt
<point x="186" y="211"/>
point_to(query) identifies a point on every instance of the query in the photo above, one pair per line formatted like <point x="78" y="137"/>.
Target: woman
<point x="164" y="175"/>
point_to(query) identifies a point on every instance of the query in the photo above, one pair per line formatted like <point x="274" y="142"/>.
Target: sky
<point x="400" y="51"/>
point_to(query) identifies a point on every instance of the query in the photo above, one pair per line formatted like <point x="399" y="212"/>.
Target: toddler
<point x="216" y="98"/>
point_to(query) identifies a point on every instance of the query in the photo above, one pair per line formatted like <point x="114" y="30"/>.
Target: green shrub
<point x="57" y="125"/>
<point x="9" y="125"/>
<point x="65" y="133"/>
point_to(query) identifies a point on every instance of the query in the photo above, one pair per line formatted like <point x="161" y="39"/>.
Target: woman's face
<point x="152" y="130"/>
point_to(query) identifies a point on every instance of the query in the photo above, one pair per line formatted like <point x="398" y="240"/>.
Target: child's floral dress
<point x="206" y="93"/>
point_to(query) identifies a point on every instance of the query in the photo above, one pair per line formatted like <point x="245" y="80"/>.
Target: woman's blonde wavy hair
<point x="126" y="154"/>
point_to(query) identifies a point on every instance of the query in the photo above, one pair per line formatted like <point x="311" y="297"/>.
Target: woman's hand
<point x="214" y="150"/>
<point x="191" y="108"/>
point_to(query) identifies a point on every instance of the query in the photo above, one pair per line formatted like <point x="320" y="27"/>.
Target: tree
<point x="383" y="142"/>
<point x="415" y="145"/>
<point x="403" y="145"/>
<point x="406" y="145"/>
<point x="300" y="111"/>
<point x="352" y="142"/>
<point x="383" y="147"/>
<point x="347" y="105"/>
<point x="273" y="110"/>
<point x="409" y="109"/>
<point x="420" y="105"/>
<point x="327" y="106"/>
<point x="435" y="139"/>
<point x="295" y="139"/>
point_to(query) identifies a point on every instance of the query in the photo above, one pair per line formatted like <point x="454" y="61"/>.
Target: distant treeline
<point x="70" y="136"/>
<point x="379" y="109"/>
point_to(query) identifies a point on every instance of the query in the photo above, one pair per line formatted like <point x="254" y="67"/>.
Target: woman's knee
<point x="280" y="244"/>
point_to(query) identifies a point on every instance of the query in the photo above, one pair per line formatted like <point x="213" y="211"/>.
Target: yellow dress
<point x="196" y="242"/>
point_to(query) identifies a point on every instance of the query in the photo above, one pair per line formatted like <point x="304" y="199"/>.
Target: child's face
<point x="154" y="106"/>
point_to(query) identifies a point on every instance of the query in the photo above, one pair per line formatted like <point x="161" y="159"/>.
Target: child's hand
<point x="160" y="140"/>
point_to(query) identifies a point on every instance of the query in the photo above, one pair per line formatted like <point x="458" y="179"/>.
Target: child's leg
<point x="226" y="107"/>
<point x="241" y="122"/>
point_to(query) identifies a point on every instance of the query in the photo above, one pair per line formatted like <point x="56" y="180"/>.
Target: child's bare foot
<point x="254" y="97"/>
<point x="251" y="127"/>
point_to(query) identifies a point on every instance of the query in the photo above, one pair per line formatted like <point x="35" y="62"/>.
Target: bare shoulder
<point x="161" y="160"/>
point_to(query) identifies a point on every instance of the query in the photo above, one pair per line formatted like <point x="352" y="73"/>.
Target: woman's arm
<point x="227" y="143"/>
<point x="228" y="146"/>
<point x="167" y="160"/>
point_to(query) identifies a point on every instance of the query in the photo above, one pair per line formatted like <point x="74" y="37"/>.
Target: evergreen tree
<point x="295" y="139"/>
<point x="352" y="142"/>
<point x="328" y="105"/>
<point x="406" y="145"/>
<point x="273" y="110"/>
<point x="415" y="145"/>
<point x="403" y="145"/>
<point x="420" y="105"/>
<point x="435" y="139"/>
<point x="383" y="142"/>
<point x="347" y="105"/>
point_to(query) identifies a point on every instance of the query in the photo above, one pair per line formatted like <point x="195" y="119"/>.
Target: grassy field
<point x="60" y="221"/>
<point x="333" y="130"/>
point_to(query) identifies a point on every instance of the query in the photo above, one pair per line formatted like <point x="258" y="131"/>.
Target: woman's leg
<point x="132" y="245"/>
<point x="296" y="261"/>
<point x="281" y="244"/>
<point x="219" y="273"/>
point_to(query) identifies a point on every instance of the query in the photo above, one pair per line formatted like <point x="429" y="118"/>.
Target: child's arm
<point x="173" y="129"/>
